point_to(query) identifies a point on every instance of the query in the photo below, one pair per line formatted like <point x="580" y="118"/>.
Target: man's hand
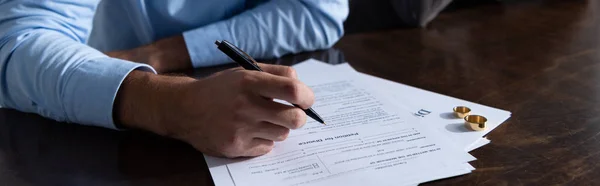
<point x="165" y="55"/>
<point x="230" y="113"/>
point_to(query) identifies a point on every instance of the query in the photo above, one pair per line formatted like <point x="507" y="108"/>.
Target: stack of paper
<point x="378" y="133"/>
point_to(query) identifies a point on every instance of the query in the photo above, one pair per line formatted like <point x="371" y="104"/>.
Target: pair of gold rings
<point x="472" y="122"/>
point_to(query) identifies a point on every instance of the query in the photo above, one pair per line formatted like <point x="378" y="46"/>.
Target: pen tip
<point x="217" y="42"/>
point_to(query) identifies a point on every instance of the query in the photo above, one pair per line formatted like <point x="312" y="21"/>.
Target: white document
<point x="443" y="122"/>
<point x="367" y="141"/>
<point x="434" y="108"/>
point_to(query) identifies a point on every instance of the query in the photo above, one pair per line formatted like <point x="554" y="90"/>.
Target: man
<point x="52" y="63"/>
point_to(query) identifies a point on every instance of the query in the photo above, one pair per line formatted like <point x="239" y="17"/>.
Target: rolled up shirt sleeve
<point x="272" y="29"/>
<point x="46" y="67"/>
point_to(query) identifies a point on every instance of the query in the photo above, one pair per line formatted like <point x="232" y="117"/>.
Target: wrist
<point x="144" y="100"/>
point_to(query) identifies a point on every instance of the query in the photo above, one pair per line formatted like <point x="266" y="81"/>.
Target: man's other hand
<point x="165" y="55"/>
<point x="231" y="113"/>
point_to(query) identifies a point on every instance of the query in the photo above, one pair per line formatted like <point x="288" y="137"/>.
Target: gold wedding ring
<point x="461" y="111"/>
<point x="475" y="122"/>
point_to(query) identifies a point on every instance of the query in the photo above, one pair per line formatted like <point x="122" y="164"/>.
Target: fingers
<point x="259" y="147"/>
<point x="279" y="70"/>
<point x="280" y="82"/>
<point x="270" y="131"/>
<point x="278" y="87"/>
<point x="279" y="114"/>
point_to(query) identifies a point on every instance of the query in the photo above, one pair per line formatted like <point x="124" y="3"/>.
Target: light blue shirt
<point x="52" y="61"/>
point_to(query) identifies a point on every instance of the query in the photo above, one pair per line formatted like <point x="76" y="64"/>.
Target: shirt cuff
<point x="91" y="90"/>
<point x="201" y="46"/>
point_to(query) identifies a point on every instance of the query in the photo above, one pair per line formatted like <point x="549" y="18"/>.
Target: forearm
<point x="272" y="29"/>
<point x="56" y="77"/>
<point x="263" y="32"/>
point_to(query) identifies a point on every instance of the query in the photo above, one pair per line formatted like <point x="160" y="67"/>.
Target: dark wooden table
<point x="538" y="59"/>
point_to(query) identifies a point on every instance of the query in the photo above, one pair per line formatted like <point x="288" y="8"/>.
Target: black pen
<point x="248" y="63"/>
